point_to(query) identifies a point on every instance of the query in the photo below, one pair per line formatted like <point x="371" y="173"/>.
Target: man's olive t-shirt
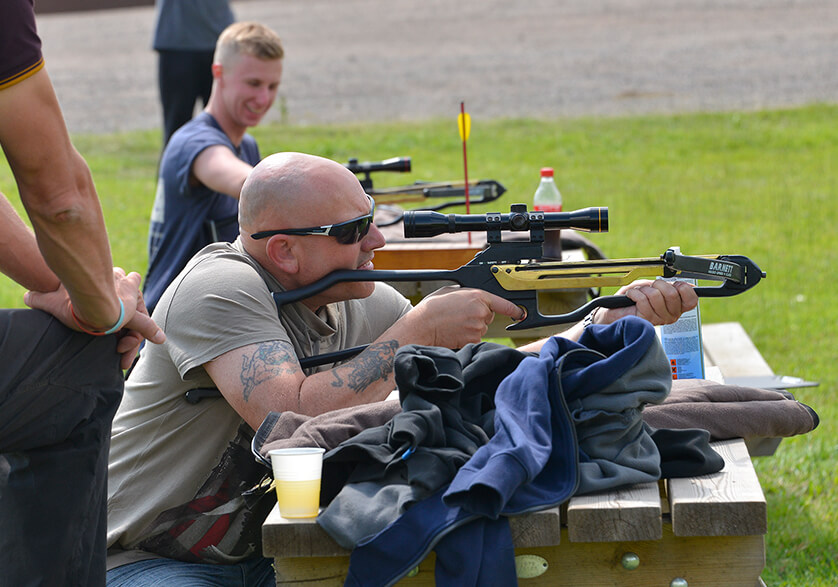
<point x="164" y="449"/>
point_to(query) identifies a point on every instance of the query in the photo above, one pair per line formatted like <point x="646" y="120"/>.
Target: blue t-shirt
<point x="187" y="218"/>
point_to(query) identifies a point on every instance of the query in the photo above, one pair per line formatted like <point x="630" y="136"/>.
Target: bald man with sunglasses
<point x="301" y="217"/>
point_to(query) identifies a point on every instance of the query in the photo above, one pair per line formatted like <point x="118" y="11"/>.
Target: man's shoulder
<point x="250" y="149"/>
<point x="220" y="301"/>
<point x="218" y="269"/>
<point x="224" y="260"/>
<point x="189" y="141"/>
<point x="201" y="130"/>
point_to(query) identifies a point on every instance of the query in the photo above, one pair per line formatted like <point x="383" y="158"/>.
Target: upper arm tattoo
<point x="376" y="362"/>
<point x="268" y="360"/>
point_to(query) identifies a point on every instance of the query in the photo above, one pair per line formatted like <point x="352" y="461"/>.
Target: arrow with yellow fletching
<point x="464" y="125"/>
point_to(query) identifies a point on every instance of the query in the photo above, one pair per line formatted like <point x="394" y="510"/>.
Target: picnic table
<point x="706" y="530"/>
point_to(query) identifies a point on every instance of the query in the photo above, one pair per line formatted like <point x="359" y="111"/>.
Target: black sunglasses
<point x="346" y="233"/>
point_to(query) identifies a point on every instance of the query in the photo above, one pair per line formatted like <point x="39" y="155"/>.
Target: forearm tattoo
<point x="269" y="360"/>
<point x="375" y="363"/>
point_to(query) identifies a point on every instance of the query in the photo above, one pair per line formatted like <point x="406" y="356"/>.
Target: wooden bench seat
<point x="706" y="530"/>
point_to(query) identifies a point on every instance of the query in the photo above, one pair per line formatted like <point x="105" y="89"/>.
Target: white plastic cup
<point x="297" y="473"/>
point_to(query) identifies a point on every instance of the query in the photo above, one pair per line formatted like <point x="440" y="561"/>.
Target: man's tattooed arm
<point x="269" y="360"/>
<point x="372" y="365"/>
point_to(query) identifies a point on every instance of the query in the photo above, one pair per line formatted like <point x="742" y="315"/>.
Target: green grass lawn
<point x="762" y="184"/>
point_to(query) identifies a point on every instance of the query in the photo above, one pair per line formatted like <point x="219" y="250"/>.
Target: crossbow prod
<point x="512" y="269"/>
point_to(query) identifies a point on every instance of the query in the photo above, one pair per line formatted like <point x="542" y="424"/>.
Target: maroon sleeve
<point x="20" y="46"/>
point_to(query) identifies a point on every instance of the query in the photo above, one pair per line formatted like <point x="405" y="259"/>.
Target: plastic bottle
<point x="548" y="199"/>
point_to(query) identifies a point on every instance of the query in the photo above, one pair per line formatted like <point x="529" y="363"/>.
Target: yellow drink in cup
<point x="297" y="473"/>
<point x="298" y="499"/>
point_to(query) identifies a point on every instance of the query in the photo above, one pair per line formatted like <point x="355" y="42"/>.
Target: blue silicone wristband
<point x="116" y="327"/>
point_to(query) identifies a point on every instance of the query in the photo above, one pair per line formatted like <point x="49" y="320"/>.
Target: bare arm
<point x="21" y="259"/>
<point x="57" y="190"/>
<point x="265" y="377"/>
<point x="219" y="169"/>
<point x="58" y="193"/>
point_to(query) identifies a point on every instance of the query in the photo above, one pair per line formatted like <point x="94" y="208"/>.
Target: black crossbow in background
<point x="513" y="269"/>
<point x="480" y="191"/>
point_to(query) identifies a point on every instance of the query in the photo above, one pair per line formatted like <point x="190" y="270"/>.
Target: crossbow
<point x="513" y="269"/>
<point x="479" y="191"/>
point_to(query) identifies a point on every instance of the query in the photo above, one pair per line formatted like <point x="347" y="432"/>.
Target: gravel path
<point x="370" y="60"/>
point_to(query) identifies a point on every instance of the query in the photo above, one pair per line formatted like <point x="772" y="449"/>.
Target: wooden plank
<point x="331" y="572"/>
<point x="310" y="570"/>
<point x="305" y="538"/>
<point x="282" y="537"/>
<point x="631" y="513"/>
<point x="536" y="528"/>
<point x="444" y="251"/>
<point x="727" y="503"/>
<point x="730" y="349"/>
<point x="727" y="561"/>
<point x="432" y="256"/>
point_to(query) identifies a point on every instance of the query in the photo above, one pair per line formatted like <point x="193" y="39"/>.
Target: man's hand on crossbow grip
<point x="658" y="301"/>
<point x="455" y="316"/>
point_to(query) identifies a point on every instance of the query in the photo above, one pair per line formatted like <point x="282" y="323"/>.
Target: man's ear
<point x="217" y="70"/>
<point x="282" y="254"/>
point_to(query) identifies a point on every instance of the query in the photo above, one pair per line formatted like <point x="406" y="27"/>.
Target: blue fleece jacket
<point x="531" y="461"/>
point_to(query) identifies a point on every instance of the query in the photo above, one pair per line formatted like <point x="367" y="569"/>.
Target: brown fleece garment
<point x="731" y="411"/>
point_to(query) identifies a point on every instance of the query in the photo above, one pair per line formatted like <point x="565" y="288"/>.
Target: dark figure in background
<point x="185" y="32"/>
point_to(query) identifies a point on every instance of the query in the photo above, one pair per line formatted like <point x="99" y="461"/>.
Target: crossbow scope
<point x="422" y="223"/>
<point x="397" y="164"/>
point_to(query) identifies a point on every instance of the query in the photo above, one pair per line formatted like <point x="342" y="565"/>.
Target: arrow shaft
<point x="464" y="133"/>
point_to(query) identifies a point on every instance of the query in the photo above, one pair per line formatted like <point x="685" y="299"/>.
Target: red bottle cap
<point x="546" y="172"/>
